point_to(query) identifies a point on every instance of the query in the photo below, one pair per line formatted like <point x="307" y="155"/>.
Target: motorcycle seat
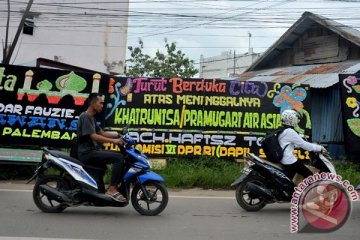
<point x="278" y="166"/>
<point x="275" y="165"/>
<point x="67" y="156"/>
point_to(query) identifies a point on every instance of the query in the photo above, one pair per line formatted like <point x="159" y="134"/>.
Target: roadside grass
<point x="202" y="172"/>
<point x="348" y="171"/>
<point x="16" y="172"/>
<point x="213" y="173"/>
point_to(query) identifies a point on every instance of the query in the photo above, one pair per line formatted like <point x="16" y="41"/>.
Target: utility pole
<point x="7" y="31"/>
<point x="234" y="62"/>
<point x="249" y="33"/>
<point x="9" y="53"/>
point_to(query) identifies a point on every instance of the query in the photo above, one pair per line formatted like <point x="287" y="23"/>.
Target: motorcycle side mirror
<point x="125" y="129"/>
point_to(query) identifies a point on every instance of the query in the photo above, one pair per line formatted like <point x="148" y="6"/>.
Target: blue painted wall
<point x="327" y="123"/>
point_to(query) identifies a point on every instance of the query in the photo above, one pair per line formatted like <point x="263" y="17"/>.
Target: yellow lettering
<point x="7" y="131"/>
<point x="35" y="133"/>
<point x="233" y="152"/>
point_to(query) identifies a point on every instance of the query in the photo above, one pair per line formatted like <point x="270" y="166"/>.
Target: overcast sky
<point x="210" y="27"/>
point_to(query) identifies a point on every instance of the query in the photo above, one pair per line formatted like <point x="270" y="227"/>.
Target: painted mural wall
<point x="350" y="92"/>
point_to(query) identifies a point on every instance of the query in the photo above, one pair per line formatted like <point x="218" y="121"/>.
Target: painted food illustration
<point x="68" y="84"/>
<point x="354" y="125"/>
<point x="357" y="88"/>
<point x="44" y="85"/>
<point x="71" y="82"/>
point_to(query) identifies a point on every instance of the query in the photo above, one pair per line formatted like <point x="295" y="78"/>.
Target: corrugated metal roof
<point x="315" y="75"/>
<point x="353" y="69"/>
<point x="297" y="29"/>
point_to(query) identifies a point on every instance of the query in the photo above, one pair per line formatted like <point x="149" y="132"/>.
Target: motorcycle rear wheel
<point x="155" y="203"/>
<point x="43" y="202"/>
<point x="246" y="199"/>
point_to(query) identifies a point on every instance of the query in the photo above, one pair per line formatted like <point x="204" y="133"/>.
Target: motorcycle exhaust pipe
<point x="54" y="194"/>
<point x="260" y="191"/>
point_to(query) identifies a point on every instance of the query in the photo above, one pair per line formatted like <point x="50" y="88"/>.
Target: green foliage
<point x="204" y="172"/>
<point x="213" y="173"/>
<point x="173" y="63"/>
<point x="19" y="172"/>
<point x="348" y="171"/>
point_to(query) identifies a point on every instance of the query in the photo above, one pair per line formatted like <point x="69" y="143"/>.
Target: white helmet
<point x="289" y="118"/>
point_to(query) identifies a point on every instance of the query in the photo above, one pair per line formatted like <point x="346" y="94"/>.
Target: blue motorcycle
<point x="63" y="181"/>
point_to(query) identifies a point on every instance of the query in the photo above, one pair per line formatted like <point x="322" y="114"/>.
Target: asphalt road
<point x="191" y="214"/>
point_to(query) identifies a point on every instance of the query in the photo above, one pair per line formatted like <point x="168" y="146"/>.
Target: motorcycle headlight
<point x="148" y="161"/>
<point x="246" y="170"/>
<point x="249" y="162"/>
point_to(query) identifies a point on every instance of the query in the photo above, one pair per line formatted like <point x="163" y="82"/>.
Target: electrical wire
<point x="151" y="21"/>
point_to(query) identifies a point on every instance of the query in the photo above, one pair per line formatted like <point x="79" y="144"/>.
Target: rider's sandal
<point x="117" y="197"/>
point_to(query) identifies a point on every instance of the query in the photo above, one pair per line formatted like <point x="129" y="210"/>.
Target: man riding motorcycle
<point x="89" y="150"/>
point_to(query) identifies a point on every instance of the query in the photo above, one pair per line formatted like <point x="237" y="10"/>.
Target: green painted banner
<point x="20" y="155"/>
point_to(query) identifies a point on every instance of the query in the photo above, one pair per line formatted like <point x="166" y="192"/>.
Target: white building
<point x="226" y="65"/>
<point x="88" y="34"/>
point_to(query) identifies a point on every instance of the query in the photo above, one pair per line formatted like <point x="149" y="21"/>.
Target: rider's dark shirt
<point x="85" y="127"/>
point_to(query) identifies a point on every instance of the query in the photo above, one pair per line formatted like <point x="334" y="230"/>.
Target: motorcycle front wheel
<point x="150" y="198"/>
<point x="248" y="200"/>
<point x="44" y="202"/>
